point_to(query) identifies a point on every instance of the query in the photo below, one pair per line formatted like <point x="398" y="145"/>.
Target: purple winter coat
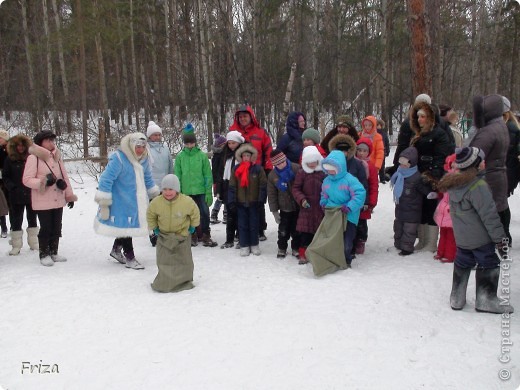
<point x="308" y="186"/>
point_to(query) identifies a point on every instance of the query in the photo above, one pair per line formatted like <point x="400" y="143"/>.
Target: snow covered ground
<point x="250" y="323"/>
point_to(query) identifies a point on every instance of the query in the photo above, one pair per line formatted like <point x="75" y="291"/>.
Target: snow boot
<point x="255" y="249"/>
<point x="214" y="216"/>
<point x="360" y="247"/>
<point x="227" y="245"/>
<point x="224" y="217"/>
<point x="262" y="237"/>
<point x="281" y="254"/>
<point x="295" y="253"/>
<point x="405" y="253"/>
<point x="459" y="286"/>
<point x="116" y="254"/>
<point x="194" y="239"/>
<point x="131" y="262"/>
<point x="207" y="241"/>
<point x="431" y="233"/>
<point x="301" y="256"/>
<point x="45" y="256"/>
<point x="245" y="251"/>
<point x="16" y="242"/>
<point x="153" y="239"/>
<point x="486" y="285"/>
<point x="421" y="235"/>
<point x="53" y="246"/>
<point x="32" y="237"/>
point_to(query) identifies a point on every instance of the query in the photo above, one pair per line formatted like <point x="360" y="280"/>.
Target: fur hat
<point x="45" y="134"/>
<point x="468" y="157"/>
<point x="423" y="98"/>
<point x="311" y="134"/>
<point x="171" y="182"/>
<point x="219" y="140"/>
<point x="246" y="148"/>
<point x="234" y="135"/>
<point x="277" y="157"/>
<point x="152" y="128"/>
<point x="4" y="134"/>
<point x="507" y="105"/>
<point x="344" y="143"/>
<point x="344" y="120"/>
<point x="188" y="134"/>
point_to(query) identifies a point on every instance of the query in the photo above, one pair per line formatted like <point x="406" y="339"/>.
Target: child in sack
<point x="408" y="188"/>
<point x="173" y="217"/>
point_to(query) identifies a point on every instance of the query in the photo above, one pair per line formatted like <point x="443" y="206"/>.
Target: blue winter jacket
<point x="342" y="189"/>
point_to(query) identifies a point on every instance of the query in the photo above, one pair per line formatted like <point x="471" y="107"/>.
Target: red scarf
<point x="242" y="173"/>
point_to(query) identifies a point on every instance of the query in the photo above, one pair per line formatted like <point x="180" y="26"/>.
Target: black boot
<point x="53" y="246"/>
<point x="459" y="286"/>
<point x="487" y="300"/>
<point x="45" y="254"/>
<point x="214" y="216"/>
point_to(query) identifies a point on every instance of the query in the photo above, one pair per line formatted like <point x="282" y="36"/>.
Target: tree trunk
<point x="48" y="53"/>
<point x="155" y="90"/>
<point x="476" y="35"/>
<point x="134" y="67"/>
<point x="145" y="95"/>
<point x="433" y="47"/>
<point x="169" y="59"/>
<point x="205" y="71"/>
<point x="315" y="89"/>
<point x="83" y="78"/>
<point x="124" y="60"/>
<point x="386" y="89"/>
<point x="286" y="102"/>
<point x="421" y="78"/>
<point x="101" y="75"/>
<point x="30" y="70"/>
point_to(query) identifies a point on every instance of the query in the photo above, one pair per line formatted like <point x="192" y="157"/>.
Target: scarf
<point x="242" y="173"/>
<point x="285" y="176"/>
<point x="397" y="181"/>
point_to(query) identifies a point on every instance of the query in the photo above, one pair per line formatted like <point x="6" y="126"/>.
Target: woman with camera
<point x="50" y="188"/>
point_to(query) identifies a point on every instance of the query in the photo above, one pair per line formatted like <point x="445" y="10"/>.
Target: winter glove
<point x="345" y="209"/>
<point x="432" y="195"/>
<point x="104" y="212"/>
<point x="70" y="205"/>
<point x="276" y="216"/>
<point x="191" y="230"/>
<point x="305" y="204"/>
<point x="209" y="199"/>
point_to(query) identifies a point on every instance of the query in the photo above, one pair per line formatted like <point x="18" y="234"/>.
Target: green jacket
<point x="194" y="172"/>
<point x="175" y="216"/>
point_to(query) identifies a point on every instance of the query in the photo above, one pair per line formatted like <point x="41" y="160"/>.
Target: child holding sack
<point x="173" y="217"/>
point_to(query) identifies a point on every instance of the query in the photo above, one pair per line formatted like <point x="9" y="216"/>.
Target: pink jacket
<point x="35" y="177"/>
<point x="442" y="215"/>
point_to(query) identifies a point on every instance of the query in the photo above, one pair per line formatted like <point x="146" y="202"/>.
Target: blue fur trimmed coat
<point x="342" y="189"/>
<point x="125" y="186"/>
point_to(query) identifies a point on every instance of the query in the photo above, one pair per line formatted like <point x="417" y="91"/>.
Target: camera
<point x="60" y="183"/>
<point x="50" y="180"/>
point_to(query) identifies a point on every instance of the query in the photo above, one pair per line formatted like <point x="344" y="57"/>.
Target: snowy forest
<point x="130" y="61"/>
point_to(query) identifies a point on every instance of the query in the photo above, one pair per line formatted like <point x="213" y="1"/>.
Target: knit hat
<point x="171" y="182"/>
<point x="277" y="157"/>
<point x="423" y="98"/>
<point x="45" y="134"/>
<point x="152" y="129"/>
<point x="188" y="134"/>
<point x="218" y="140"/>
<point x="4" y="134"/>
<point x="234" y="135"/>
<point x="311" y="134"/>
<point x="344" y="120"/>
<point x="507" y="105"/>
<point x="468" y="157"/>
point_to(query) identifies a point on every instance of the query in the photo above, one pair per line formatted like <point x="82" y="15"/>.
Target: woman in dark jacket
<point x="291" y="143"/>
<point x="345" y="126"/>
<point x="433" y="146"/>
<point x="513" y="152"/>
<point x="20" y="195"/>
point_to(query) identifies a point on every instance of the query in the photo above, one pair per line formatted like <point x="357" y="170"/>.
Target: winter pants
<point x="287" y="229"/>
<point x="50" y="229"/>
<point x="247" y="225"/>
<point x="483" y="257"/>
<point x="505" y="218"/>
<point x="405" y="234"/>
<point x="382" y="172"/>
<point x="231" y="224"/>
<point x="428" y="209"/>
<point x="200" y="200"/>
<point x="16" y="216"/>
<point x="447" y="248"/>
<point x="126" y="243"/>
<point x="348" y="241"/>
<point x="217" y="205"/>
<point x="362" y="230"/>
<point x="262" y="223"/>
<point x="306" y="239"/>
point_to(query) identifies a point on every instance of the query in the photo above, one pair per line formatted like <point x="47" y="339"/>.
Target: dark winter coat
<point x="354" y="166"/>
<point x="512" y="162"/>
<point x="257" y="137"/>
<point x="431" y="142"/>
<point x="221" y="185"/>
<point x="278" y="200"/>
<point x="291" y="142"/>
<point x="12" y="171"/>
<point x="308" y="186"/>
<point x="256" y="191"/>
<point x="493" y="138"/>
<point x="216" y="161"/>
<point x="472" y="209"/>
<point x="325" y="143"/>
<point x="386" y="141"/>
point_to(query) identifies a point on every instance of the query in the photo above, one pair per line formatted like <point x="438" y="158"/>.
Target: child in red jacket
<point x="447" y="248"/>
<point x="363" y="152"/>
